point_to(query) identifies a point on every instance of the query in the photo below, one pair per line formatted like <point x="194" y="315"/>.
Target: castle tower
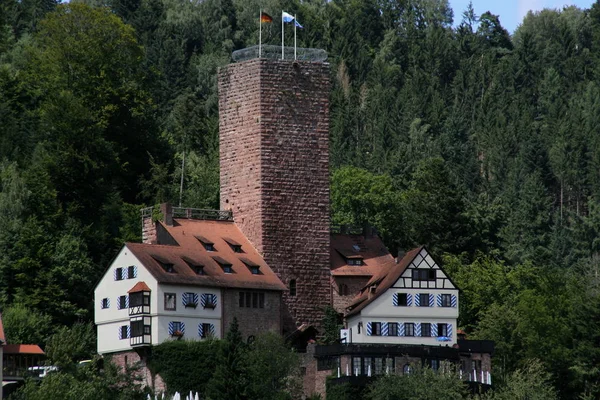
<point x="274" y="149"/>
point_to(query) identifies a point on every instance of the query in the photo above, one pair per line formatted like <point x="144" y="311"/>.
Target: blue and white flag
<point x="286" y="17"/>
<point x="298" y="24"/>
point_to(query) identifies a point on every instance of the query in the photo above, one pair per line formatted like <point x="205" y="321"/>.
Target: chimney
<point x="167" y="211"/>
<point x="401" y="254"/>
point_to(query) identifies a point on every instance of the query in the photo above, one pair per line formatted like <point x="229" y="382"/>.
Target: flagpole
<point x="259" y="32"/>
<point x="282" y="35"/>
<point x="295" y="37"/>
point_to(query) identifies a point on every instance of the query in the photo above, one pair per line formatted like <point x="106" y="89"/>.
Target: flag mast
<point x="259" y="32"/>
<point x="295" y="23"/>
<point x="282" y="34"/>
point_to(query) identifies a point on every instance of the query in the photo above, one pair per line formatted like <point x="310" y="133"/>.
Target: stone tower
<point x="274" y="149"/>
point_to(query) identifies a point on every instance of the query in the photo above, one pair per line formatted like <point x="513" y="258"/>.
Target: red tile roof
<point x="388" y="275"/>
<point x="190" y="252"/>
<point x="2" y="337"/>
<point x="371" y="249"/>
<point x="139" y="287"/>
<point x="22" y="349"/>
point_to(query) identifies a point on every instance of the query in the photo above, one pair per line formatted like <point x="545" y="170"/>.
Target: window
<point x="207" y="244"/>
<point x="131" y="272"/>
<point x="252" y="299"/>
<point x="357" y="365"/>
<point x="139" y="329"/>
<point x="343" y="290"/>
<point x="190" y="300"/>
<point x="209" y="300"/>
<point x="423" y="274"/>
<point x="435" y="364"/>
<point x="407" y="369"/>
<point x="442" y="329"/>
<point x="165" y="265"/>
<point x="118" y="274"/>
<point x="409" y="329"/>
<point x="137" y="299"/>
<point x="176" y="328"/>
<point x="446" y="300"/>
<point x="199" y="269"/>
<point x="401" y="299"/>
<point x="354" y="261"/>
<point x="122" y="302"/>
<point x="292" y="287"/>
<point x="170" y="301"/>
<point x="124" y="332"/>
<point x="205" y="330"/>
<point x="105" y="302"/>
<point x="376" y="328"/>
<point x="254" y="268"/>
<point x="392" y="329"/>
<point x="378" y="361"/>
<point x="426" y="329"/>
<point x="236" y="248"/>
<point x="423" y="300"/>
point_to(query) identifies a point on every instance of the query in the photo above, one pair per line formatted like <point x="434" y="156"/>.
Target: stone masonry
<point x="252" y="321"/>
<point x="274" y="123"/>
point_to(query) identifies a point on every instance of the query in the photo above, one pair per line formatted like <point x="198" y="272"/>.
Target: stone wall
<point x="130" y="359"/>
<point x="274" y="144"/>
<point x="252" y="321"/>
<point x="353" y="284"/>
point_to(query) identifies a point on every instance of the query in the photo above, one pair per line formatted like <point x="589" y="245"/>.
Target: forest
<point x="445" y="130"/>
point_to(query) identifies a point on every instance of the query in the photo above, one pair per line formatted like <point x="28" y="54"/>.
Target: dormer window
<point x="354" y="261"/>
<point x="224" y="264"/>
<point x="194" y="266"/>
<point x="208" y="245"/>
<point x="235" y="246"/>
<point x="253" y="267"/>
<point x="165" y="264"/>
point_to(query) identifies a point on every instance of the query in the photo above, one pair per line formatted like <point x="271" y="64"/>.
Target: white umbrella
<point x="177" y="396"/>
<point x="369" y="370"/>
<point x="347" y="369"/>
<point x="196" y="397"/>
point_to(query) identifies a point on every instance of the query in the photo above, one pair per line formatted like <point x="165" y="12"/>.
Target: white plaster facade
<point x="109" y="320"/>
<point x="383" y="309"/>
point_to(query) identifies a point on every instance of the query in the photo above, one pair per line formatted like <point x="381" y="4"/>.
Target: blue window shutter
<point x="126" y="301"/>
<point x="417" y="329"/>
<point x="128" y="331"/>
<point x="439" y="300"/>
<point x="214" y="299"/>
<point x="401" y="329"/>
<point x="119" y="303"/>
<point x="171" y="328"/>
<point x="115" y="274"/>
<point x="200" y="330"/>
<point x="124" y="273"/>
<point x="204" y="299"/>
<point x="369" y="329"/>
<point x="434" y="330"/>
<point x="417" y="300"/>
<point x="120" y="333"/>
<point x="449" y="330"/>
<point x="212" y="330"/>
<point x="431" y="300"/>
<point x="395" y="300"/>
<point x="134" y="271"/>
<point x="454" y="301"/>
<point x="409" y="300"/>
<point x="384" y="329"/>
<point x="182" y="326"/>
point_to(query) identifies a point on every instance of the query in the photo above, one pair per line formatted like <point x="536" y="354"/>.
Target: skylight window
<point x="194" y="266"/>
<point x="165" y="264"/>
<point x="356" y="247"/>
<point x="253" y="267"/>
<point x="208" y="245"/>
<point x="235" y="246"/>
<point x="224" y="264"/>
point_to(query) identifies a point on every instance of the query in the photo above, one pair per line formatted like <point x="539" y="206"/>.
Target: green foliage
<point x="27" y="326"/>
<point x="86" y="383"/>
<point x="332" y="324"/>
<point x="421" y="384"/>
<point x="70" y="345"/>
<point x="185" y="365"/>
<point x="531" y="382"/>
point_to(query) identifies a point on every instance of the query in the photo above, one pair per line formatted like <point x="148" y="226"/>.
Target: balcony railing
<point x="199" y="213"/>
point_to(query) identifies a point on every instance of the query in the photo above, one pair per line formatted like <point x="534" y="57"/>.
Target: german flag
<point x="266" y="18"/>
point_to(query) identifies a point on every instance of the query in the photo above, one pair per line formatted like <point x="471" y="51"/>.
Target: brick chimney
<point x="149" y="234"/>
<point x="274" y="156"/>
